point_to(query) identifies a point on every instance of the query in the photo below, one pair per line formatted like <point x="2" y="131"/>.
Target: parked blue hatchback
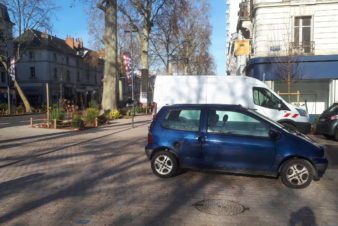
<point x="234" y="139"/>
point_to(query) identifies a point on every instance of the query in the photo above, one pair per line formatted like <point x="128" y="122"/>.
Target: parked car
<point x="246" y="91"/>
<point x="328" y="122"/>
<point x="234" y="139"/>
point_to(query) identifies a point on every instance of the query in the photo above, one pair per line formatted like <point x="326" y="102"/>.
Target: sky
<point x="71" y="19"/>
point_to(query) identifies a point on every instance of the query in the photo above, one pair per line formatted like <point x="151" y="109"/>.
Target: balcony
<point x="302" y="48"/>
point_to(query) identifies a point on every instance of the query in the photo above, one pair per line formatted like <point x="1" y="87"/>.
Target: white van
<point x="240" y="90"/>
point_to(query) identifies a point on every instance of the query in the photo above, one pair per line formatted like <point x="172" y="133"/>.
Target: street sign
<point x="11" y="70"/>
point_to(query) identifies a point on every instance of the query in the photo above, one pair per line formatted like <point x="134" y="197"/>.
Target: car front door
<point x="237" y="141"/>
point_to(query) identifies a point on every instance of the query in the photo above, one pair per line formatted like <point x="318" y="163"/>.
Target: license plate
<point x="322" y="120"/>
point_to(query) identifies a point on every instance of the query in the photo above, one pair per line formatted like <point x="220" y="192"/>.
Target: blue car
<point x="230" y="138"/>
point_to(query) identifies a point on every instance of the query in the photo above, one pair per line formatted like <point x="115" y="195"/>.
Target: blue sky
<point x="71" y="19"/>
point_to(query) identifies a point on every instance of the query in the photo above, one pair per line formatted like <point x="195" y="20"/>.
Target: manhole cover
<point x="219" y="207"/>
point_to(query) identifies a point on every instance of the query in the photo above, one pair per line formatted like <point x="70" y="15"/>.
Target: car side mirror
<point x="279" y="105"/>
<point x="273" y="134"/>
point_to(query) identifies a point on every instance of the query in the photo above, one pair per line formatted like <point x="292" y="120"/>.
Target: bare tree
<point x="109" y="102"/>
<point x="26" y="14"/>
<point x="30" y="14"/>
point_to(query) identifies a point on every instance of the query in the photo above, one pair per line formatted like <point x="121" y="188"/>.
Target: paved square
<point x="101" y="176"/>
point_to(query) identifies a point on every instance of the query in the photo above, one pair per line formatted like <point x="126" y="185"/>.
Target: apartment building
<point x="295" y="41"/>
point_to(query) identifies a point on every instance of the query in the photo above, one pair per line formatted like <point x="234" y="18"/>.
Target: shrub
<point x="93" y="104"/>
<point x="128" y="113"/>
<point x="139" y="109"/>
<point x="90" y="115"/>
<point x="57" y="113"/>
<point x="114" y="114"/>
<point x="20" y="109"/>
<point x="77" y="122"/>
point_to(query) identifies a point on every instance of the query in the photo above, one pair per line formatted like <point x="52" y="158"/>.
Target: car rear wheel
<point x="164" y="164"/>
<point x="297" y="173"/>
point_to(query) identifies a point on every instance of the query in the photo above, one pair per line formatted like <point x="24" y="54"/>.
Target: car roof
<point x="232" y="106"/>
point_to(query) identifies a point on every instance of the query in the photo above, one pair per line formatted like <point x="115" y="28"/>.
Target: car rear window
<point x="183" y="119"/>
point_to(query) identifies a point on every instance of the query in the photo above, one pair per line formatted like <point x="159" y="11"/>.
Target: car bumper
<point x="149" y="152"/>
<point x="303" y="127"/>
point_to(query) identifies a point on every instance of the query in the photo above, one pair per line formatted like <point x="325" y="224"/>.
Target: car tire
<point x="164" y="164"/>
<point x="297" y="173"/>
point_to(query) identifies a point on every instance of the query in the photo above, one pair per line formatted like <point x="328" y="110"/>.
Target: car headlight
<point x="302" y="112"/>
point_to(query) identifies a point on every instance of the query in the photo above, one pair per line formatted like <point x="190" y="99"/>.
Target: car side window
<point x="265" y="98"/>
<point x="184" y="119"/>
<point x="235" y="123"/>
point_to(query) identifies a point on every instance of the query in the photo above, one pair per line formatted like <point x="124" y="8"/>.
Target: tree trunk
<point x="23" y="97"/>
<point x="111" y="63"/>
<point x="145" y="47"/>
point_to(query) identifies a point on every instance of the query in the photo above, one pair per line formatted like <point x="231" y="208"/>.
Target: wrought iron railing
<point x="302" y="48"/>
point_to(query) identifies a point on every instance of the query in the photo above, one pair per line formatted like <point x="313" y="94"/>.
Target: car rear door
<point x="180" y="132"/>
<point x="237" y="141"/>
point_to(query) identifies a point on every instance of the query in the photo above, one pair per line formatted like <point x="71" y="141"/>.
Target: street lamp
<point x="132" y="29"/>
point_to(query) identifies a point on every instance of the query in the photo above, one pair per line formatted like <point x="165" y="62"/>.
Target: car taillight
<point x="333" y="117"/>
<point x="150" y="138"/>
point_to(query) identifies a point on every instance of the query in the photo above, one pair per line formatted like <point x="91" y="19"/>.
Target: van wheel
<point x="164" y="164"/>
<point x="297" y="173"/>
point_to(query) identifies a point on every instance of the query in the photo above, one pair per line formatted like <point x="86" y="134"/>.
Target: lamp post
<point x="132" y="29"/>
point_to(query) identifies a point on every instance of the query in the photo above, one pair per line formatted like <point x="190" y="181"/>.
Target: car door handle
<point x="201" y="139"/>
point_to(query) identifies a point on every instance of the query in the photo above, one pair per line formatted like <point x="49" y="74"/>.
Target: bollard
<point x="96" y="122"/>
<point x="31" y="122"/>
<point x="54" y="123"/>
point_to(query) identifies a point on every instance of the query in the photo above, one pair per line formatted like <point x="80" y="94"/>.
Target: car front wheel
<point x="164" y="164"/>
<point x="297" y="173"/>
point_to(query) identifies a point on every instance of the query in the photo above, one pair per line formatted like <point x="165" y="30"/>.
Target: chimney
<point x="70" y="42"/>
<point x="78" y="43"/>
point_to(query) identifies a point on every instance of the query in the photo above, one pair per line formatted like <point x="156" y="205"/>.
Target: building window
<point x="2" y="36"/>
<point x="67" y="60"/>
<point x="31" y="55"/>
<point x="95" y="77"/>
<point x="302" y="33"/>
<point x="3" y="77"/>
<point x="68" y="76"/>
<point x="55" y="73"/>
<point x="88" y="77"/>
<point x="55" y="57"/>
<point x="32" y="72"/>
<point x="78" y="76"/>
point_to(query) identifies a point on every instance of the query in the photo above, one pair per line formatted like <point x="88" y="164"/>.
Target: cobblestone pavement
<point x="101" y="177"/>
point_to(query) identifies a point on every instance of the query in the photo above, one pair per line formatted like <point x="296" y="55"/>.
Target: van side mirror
<point x="273" y="134"/>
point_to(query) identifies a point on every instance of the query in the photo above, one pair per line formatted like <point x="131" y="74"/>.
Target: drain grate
<point x="219" y="207"/>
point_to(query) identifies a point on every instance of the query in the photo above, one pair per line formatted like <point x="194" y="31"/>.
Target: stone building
<point x="6" y="49"/>
<point x="72" y="71"/>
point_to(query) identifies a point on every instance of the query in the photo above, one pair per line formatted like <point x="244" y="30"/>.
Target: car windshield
<point x="332" y="109"/>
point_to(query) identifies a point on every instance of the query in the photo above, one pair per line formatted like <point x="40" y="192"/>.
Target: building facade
<point x="6" y="49"/>
<point x="71" y="71"/>
<point x="294" y="47"/>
